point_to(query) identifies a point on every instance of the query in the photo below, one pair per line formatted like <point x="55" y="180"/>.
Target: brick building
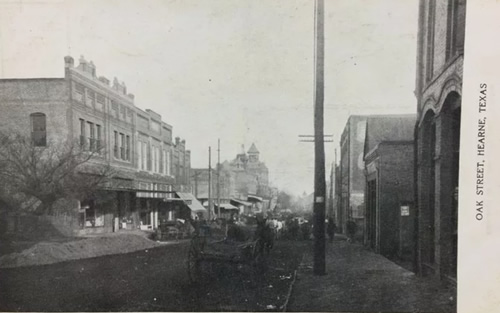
<point x="351" y="175"/>
<point x="251" y="176"/>
<point x="388" y="156"/>
<point x="438" y="91"/>
<point x="241" y="178"/>
<point x="148" y="167"/>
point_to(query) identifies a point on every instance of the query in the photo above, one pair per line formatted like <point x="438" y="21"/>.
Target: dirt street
<point x="148" y="280"/>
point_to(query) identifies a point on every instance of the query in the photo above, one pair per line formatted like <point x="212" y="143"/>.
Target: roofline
<point x="32" y="79"/>
<point x="387" y="142"/>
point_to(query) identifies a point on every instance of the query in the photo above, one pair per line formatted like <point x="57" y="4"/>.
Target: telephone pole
<point x="218" y="178"/>
<point x="319" y="145"/>
<point x="209" y="183"/>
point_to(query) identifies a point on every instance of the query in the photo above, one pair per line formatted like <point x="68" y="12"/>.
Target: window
<point x="91" y="136"/>
<point x="79" y="88"/>
<point x="93" y="217"/>
<point x="90" y="97"/>
<point x="122" y="146"/>
<point x="162" y="157"/>
<point x="431" y="24"/>
<point x="122" y="111"/>
<point x="155" y="126"/>
<point x="100" y="99"/>
<point x="144" y="156"/>
<point x="127" y="151"/>
<point x="115" y="144"/>
<point x="82" y="134"/>
<point x="167" y="163"/>
<point x="98" y="141"/>
<point x="455" y="28"/>
<point x="149" y="156"/>
<point x="79" y="93"/>
<point x="155" y="159"/>
<point x="139" y="155"/>
<point x="38" y="129"/>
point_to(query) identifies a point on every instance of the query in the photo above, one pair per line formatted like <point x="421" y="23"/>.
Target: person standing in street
<point x="351" y="230"/>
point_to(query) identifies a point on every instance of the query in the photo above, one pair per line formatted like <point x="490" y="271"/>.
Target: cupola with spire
<point x="253" y="154"/>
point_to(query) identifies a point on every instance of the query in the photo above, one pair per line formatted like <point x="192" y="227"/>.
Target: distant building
<point x="243" y="183"/>
<point x="390" y="212"/>
<point x="251" y="176"/>
<point x="351" y="176"/>
<point x="149" y="168"/>
<point x="441" y="31"/>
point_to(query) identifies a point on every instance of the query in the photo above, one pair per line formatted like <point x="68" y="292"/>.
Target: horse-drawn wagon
<point x="241" y="245"/>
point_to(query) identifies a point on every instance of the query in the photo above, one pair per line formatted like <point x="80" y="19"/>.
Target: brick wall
<point x="396" y="188"/>
<point x="21" y="97"/>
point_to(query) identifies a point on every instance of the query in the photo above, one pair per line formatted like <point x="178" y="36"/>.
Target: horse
<point x="266" y="234"/>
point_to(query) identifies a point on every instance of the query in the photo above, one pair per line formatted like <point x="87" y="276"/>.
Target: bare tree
<point x="44" y="175"/>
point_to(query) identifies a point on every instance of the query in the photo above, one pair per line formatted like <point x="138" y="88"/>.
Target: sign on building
<point x="405" y="210"/>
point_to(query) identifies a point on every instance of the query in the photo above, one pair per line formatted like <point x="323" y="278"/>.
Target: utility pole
<point x="218" y="178"/>
<point x="319" y="145"/>
<point x="209" y="183"/>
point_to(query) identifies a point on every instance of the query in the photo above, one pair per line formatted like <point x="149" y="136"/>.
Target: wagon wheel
<point x="194" y="261"/>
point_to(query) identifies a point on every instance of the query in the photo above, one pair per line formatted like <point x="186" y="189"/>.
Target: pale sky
<point x="237" y="70"/>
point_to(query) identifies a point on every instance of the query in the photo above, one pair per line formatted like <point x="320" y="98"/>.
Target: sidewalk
<point x="359" y="280"/>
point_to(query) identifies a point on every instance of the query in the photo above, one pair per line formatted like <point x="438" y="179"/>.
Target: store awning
<point x="254" y="198"/>
<point x="242" y="202"/>
<point x="227" y="206"/>
<point x="191" y="202"/>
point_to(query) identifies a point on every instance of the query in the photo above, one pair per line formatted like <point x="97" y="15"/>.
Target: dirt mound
<point x="53" y="252"/>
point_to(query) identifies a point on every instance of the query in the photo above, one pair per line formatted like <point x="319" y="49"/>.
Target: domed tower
<point x="253" y="154"/>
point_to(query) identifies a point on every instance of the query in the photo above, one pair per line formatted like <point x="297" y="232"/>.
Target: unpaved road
<point x="148" y="280"/>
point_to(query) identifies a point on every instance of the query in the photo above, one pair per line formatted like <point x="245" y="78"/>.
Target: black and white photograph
<point x="248" y="155"/>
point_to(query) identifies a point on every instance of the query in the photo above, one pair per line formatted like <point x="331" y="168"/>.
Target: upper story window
<point x="39" y="129"/>
<point x="122" y="146"/>
<point x="431" y="24"/>
<point x="98" y="138"/>
<point x="455" y="32"/>
<point x="83" y="140"/>
<point x="139" y="155"/>
<point x="127" y="148"/>
<point x="115" y="144"/>
<point x="155" y="126"/>
<point x="79" y="93"/>
<point x="91" y="134"/>
<point x="90" y="98"/>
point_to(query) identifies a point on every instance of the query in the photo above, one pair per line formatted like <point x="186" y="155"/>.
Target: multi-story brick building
<point x="351" y="176"/>
<point x="441" y="31"/>
<point x="251" y="175"/>
<point x="148" y="168"/>
<point x="389" y="214"/>
<point x="243" y="176"/>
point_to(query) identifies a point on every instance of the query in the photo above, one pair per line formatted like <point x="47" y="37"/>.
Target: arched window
<point x="39" y="129"/>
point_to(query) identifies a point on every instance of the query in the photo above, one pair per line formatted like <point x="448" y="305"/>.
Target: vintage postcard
<point x="251" y="155"/>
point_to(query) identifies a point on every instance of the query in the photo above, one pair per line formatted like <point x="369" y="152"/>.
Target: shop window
<point x="145" y="218"/>
<point x="92" y="216"/>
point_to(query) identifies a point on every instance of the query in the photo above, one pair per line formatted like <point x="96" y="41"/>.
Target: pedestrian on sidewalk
<point x="351" y="230"/>
<point x="331" y="228"/>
